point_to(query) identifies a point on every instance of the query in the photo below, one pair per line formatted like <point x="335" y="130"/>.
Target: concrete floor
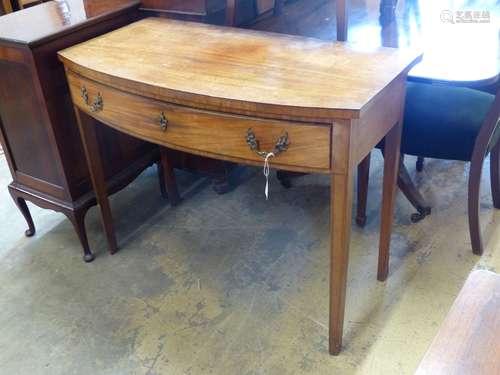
<point x="232" y="284"/>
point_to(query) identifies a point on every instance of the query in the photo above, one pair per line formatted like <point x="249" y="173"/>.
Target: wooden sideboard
<point x="38" y="128"/>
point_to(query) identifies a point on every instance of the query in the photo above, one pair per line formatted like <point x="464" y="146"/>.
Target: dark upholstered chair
<point x="452" y="123"/>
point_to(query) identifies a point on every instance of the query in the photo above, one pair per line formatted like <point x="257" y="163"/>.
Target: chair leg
<point x="161" y="180"/>
<point x="363" y="180"/>
<point x="473" y="203"/>
<point x="166" y="172"/>
<point x="411" y="193"/>
<point x="420" y="164"/>
<point x="405" y="184"/>
<point x="495" y="175"/>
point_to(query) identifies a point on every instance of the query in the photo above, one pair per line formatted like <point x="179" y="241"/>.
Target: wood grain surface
<point x="239" y="71"/>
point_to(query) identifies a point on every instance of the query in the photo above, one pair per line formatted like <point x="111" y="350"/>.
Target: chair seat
<point x="443" y="122"/>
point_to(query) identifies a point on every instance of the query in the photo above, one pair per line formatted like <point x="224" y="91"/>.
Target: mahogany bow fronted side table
<point x="237" y="95"/>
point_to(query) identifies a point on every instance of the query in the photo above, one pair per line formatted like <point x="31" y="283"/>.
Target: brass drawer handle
<point x="98" y="104"/>
<point x="163" y="122"/>
<point x="85" y="95"/>
<point x="281" y="144"/>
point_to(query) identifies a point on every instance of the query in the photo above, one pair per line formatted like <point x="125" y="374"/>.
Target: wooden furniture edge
<point x="475" y="278"/>
<point x="77" y="27"/>
<point x="211" y="103"/>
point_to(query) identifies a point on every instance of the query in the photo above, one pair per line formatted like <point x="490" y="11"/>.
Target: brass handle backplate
<point x="98" y="104"/>
<point x="163" y="122"/>
<point x="281" y="144"/>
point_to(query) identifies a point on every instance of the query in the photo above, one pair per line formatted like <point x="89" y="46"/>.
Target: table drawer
<point x="201" y="132"/>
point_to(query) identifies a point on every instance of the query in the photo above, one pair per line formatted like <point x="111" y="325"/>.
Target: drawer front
<point x="211" y="134"/>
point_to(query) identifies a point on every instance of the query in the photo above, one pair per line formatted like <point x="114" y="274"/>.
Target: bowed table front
<point x="237" y="95"/>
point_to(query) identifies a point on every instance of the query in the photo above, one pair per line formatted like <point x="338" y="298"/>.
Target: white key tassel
<point x="266" y="173"/>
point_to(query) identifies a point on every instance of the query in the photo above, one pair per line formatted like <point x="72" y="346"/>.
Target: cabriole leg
<point x="23" y="207"/>
<point x="78" y="221"/>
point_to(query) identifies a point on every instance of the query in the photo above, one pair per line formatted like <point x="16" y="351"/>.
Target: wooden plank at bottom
<point x="468" y="342"/>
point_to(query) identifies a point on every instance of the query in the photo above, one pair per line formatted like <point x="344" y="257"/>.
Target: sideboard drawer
<point x="202" y="132"/>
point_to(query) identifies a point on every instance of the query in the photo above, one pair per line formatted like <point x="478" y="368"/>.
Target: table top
<point x="240" y="69"/>
<point x="468" y="342"/>
<point x="39" y="23"/>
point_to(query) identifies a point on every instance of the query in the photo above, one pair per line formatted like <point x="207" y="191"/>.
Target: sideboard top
<point x="241" y="71"/>
<point x="39" y="23"/>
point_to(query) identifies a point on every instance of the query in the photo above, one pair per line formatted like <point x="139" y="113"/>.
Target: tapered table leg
<point x="87" y="126"/>
<point x="391" y="167"/>
<point x="342" y="180"/>
<point x="341" y="201"/>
